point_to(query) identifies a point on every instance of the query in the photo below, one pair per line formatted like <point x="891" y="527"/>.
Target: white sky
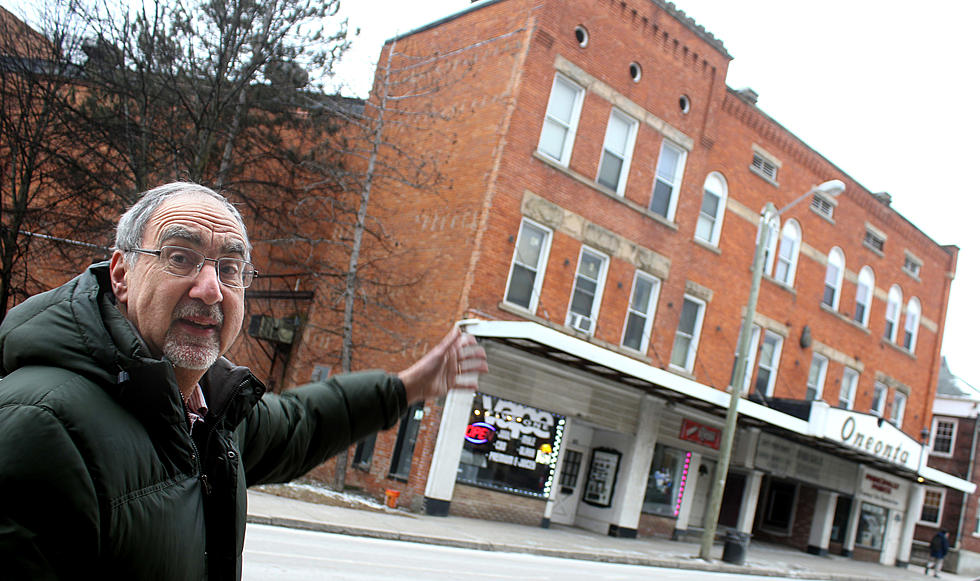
<point x="889" y="91"/>
<point x="885" y="89"/>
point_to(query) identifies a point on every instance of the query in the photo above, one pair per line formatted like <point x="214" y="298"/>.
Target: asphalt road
<point x="280" y="553"/>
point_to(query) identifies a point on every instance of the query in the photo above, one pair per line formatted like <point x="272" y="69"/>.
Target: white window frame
<point x="750" y="364"/>
<point x="570" y="126"/>
<point x="941" y="490"/>
<point x="673" y="181"/>
<point x="542" y="263"/>
<point x="694" y="336"/>
<point x="864" y="296"/>
<point x="647" y="315"/>
<point x="954" y="426"/>
<point x="899" y="402"/>
<point x="772" y="365"/>
<point x="893" y="312"/>
<point x="573" y="319"/>
<point x="883" y="390"/>
<point x="834" y="278"/>
<point x="714" y="185"/>
<point x="849" y="381"/>
<point x="913" y="316"/>
<point x="816" y="384"/>
<point x="789" y="232"/>
<point x="626" y="155"/>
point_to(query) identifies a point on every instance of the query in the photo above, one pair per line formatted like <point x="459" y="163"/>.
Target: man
<point x="938" y="547"/>
<point x="127" y="441"/>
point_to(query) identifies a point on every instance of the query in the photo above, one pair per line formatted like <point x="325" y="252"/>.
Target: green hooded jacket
<point x="100" y="474"/>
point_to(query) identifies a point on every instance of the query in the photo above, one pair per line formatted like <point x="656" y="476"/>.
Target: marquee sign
<point x="873" y="436"/>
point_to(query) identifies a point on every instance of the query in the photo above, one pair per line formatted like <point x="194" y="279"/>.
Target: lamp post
<point x="768" y="217"/>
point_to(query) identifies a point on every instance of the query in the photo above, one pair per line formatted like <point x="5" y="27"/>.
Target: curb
<point x="694" y="564"/>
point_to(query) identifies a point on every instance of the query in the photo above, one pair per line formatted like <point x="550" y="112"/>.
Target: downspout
<point x="969" y="474"/>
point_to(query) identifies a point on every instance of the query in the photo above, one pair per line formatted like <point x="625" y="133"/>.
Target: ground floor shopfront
<point x="563" y="431"/>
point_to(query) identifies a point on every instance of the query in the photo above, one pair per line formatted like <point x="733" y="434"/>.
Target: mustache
<point x="199" y="309"/>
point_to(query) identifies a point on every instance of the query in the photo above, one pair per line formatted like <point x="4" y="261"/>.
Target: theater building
<point x="596" y="232"/>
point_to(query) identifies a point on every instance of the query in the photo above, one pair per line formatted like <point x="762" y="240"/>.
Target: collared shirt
<point x="197" y="407"/>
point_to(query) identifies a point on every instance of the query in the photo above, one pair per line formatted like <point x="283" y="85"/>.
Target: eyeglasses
<point x="184" y="262"/>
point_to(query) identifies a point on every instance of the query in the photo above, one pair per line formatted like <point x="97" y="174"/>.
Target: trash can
<point x="736" y="544"/>
<point x="391" y="498"/>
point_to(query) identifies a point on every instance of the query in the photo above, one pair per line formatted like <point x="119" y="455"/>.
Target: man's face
<point x="191" y="320"/>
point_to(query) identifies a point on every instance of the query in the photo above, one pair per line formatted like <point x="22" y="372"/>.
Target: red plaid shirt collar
<point x="197" y="407"/>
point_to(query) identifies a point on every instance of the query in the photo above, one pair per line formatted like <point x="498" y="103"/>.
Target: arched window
<point x="712" y="209"/>
<point x="864" y="296"/>
<point x="892" y="312"/>
<point x="834" y="278"/>
<point x="913" y="312"/>
<point x="782" y="264"/>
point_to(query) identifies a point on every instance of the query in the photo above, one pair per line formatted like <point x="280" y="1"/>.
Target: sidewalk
<point x="559" y="541"/>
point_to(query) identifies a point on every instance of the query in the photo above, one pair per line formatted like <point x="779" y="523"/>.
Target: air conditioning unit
<point x="580" y="322"/>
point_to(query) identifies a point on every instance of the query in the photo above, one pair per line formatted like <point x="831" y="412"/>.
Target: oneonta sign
<point x="872" y="436"/>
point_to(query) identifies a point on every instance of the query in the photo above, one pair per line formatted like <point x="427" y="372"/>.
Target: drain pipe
<point x="969" y="473"/>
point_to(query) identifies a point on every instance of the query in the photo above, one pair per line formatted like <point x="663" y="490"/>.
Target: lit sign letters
<point x="480" y="433"/>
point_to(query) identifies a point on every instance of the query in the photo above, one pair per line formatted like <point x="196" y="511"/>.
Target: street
<point x="283" y="553"/>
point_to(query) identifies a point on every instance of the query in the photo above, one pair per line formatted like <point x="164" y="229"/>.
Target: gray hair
<point x="132" y="224"/>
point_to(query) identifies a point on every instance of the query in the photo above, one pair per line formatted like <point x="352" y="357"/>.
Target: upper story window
<point x="898" y="408"/>
<point x="750" y="359"/>
<point x="892" y="311"/>
<point x="764" y="166"/>
<point x="823" y="206"/>
<point x="688" y="334"/>
<point x="765" y="379"/>
<point x="561" y="120"/>
<point x="614" y="165"/>
<point x="667" y="185"/>
<point x="590" y="277"/>
<point x="874" y="239"/>
<point x="912" y="266"/>
<point x="712" y="209"/>
<point x="932" y="505"/>
<point x="782" y="266"/>
<point x="834" y="278"/>
<point x="848" y="387"/>
<point x="639" y="315"/>
<point x="913" y="312"/>
<point x="527" y="265"/>
<point x="816" y="377"/>
<point x="864" y="295"/>
<point x="943" y="436"/>
<point x="878" y="398"/>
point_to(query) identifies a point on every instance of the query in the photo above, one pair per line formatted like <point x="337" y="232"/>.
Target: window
<point x="871" y="526"/>
<point x="561" y="120"/>
<point x="614" y="166"/>
<point x="822" y="206"/>
<point x="765" y="379"/>
<point x="320" y="372"/>
<point x="764" y="166"/>
<point x="878" y="399"/>
<point x="527" y="266"/>
<point x="712" y="209"/>
<point x="848" y="387"/>
<point x="898" y="408"/>
<point x="570" y="469"/>
<point x="688" y="331"/>
<point x="665" y="483"/>
<point x="892" y="311"/>
<point x="587" y="291"/>
<point x="667" y="184"/>
<point x="864" y="295"/>
<point x="639" y="315"/>
<point x="834" y="278"/>
<point x="912" y="314"/>
<point x="750" y="360"/>
<point x="874" y="240"/>
<point x="408" y="432"/>
<point x="943" y="436"/>
<point x="932" y="506"/>
<point x="782" y="266"/>
<point x="912" y="266"/>
<point x="363" y="453"/>
<point x="816" y="377"/>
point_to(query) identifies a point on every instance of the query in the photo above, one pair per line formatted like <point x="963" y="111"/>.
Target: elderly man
<point x="127" y="441"/>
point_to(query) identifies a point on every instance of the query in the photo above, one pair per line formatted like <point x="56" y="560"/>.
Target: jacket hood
<point x="76" y="327"/>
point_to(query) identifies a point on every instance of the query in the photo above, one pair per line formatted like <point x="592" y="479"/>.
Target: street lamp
<point x="768" y="218"/>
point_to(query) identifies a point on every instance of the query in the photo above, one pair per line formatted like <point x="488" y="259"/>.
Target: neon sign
<point x="480" y="433"/>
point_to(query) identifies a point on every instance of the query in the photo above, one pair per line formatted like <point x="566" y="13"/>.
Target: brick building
<point x="598" y="228"/>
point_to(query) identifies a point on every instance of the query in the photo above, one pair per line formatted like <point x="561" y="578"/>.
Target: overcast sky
<point x="889" y="91"/>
